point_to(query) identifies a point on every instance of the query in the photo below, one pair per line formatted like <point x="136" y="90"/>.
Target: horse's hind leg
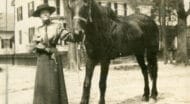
<point x="103" y="78"/>
<point x="153" y="69"/>
<point x="141" y="62"/>
<point x="87" y="82"/>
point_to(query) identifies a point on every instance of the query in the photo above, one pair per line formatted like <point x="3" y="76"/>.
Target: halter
<point x="84" y="19"/>
<point x="80" y="18"/>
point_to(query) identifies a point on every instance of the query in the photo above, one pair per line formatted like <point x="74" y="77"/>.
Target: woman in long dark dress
<point x="49" y="82"/>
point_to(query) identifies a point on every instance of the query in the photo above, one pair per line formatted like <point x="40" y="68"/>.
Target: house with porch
<point x="6" y="34"/>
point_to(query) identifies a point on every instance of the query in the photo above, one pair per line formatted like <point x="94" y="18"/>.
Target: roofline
<point x="6" y="30"/>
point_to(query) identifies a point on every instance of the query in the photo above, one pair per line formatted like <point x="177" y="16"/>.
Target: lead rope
<point x="82" y="49"/>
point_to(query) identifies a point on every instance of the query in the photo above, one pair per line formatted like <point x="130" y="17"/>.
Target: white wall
<point x="145" y="9"/>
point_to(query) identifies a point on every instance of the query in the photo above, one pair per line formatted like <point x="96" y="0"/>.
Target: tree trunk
<point x="72" y="52"/>
<point x="163" y="30"/>
<point x="181" y="56"/>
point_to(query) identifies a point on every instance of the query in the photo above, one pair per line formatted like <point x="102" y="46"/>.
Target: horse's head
<point x="81" y="11"/>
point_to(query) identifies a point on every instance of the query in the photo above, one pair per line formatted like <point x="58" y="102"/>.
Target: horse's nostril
<point x="78" y="32"/>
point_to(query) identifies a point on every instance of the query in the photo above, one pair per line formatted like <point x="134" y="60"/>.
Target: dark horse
<point x="109" y="37"/>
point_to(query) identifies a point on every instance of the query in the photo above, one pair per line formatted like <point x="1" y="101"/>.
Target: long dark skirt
<point x="49" y="82"/>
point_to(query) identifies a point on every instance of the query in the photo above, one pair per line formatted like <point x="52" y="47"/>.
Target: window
<point x="11" y="43"/>
<point x="58" y="6"/>
<point x="115" y="7"/>
<point x="2" y="43"/>
<point x="99" y="3"/>
<point x="109" y="4"/>
<point x="20" y="37"/>
<point x="31" y="33"/>
<point x="137" y="10"/>
<point x="125" y="9"/>
<point x="45" y="1"/>
<point x="19" y="14"/>
<point x="6" y="43"/>
<point x="30" y="8"/>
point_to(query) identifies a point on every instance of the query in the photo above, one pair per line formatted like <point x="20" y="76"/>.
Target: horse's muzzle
<point x="78" y="32"/>
<point x="78" y="35"/>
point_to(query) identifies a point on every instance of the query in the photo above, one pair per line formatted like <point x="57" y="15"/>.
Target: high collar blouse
<point x="48" y="35"/>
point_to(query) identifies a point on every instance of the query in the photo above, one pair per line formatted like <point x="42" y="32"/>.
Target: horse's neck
<point x="100" y="18"/>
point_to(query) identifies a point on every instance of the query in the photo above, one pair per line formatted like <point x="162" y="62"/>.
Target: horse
<point x="108" y="36"/>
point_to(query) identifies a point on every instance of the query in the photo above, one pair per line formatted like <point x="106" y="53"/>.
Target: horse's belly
<point x="131" y="47"/>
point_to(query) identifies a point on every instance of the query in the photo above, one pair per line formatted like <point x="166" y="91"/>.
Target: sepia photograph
<point x="94" y="52"/>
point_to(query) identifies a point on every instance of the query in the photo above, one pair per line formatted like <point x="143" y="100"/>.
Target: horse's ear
<point x="69" y="4"/>
<point x="90" y="15"/>
<point x="90" y="10"/>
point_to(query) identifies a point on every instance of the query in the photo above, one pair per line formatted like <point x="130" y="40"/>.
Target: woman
<point x="49" y="82"/>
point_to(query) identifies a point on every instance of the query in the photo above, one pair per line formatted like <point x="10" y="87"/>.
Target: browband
<point x="80" y="18"/>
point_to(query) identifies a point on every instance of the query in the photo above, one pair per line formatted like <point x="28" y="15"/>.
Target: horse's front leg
<point x="103" y="78"/>
<point x="87" y="82"/>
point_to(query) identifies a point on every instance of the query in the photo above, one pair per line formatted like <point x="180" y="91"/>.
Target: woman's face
<point x="44" y="15"/>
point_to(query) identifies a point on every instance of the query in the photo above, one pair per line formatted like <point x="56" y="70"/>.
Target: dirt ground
<point x="125" y="86"/>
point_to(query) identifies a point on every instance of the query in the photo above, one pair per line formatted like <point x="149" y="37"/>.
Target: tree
<point x="178" y="6"/>
<point x="163" y="29"/>
<point x="182" y="35"/>
<point x="72" y="52"/>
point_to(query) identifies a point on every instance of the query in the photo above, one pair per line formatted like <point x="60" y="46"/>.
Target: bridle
<point x="77" y="17"/>
<point x="80" y="18"/>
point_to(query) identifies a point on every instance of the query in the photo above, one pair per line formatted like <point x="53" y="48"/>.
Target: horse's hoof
<point x="1" y="69"/>
<point x="102" y="102"/>
<point x="145" y="98"/>
<point x="152" y="100"/>
<point x="84" y="102"/>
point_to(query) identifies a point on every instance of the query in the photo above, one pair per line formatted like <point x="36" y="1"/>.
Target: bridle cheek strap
<point x="80" y="18"/>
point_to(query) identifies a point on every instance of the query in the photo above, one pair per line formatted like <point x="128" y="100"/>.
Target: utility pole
<point x="73" y="51"/>
<point x="7" y="70"/>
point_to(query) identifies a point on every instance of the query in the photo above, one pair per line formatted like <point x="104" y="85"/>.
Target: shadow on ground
<point x="138" y="99"/>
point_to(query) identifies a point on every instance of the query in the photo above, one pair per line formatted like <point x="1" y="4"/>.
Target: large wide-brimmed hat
<point x="45" y="6"/>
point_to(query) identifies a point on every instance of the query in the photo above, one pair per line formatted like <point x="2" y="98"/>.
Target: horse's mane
<point x="102" y="17"/>
<point x="105" y="18"/>
<point x="104" y="30"/>
<point x="104" y="11"/>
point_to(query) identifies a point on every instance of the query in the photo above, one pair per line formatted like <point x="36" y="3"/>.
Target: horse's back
<point x="145" y="32"/>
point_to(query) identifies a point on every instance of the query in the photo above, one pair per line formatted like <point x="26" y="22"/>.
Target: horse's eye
<point x="85" y="1"/>
<point x="86" y="4"/>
